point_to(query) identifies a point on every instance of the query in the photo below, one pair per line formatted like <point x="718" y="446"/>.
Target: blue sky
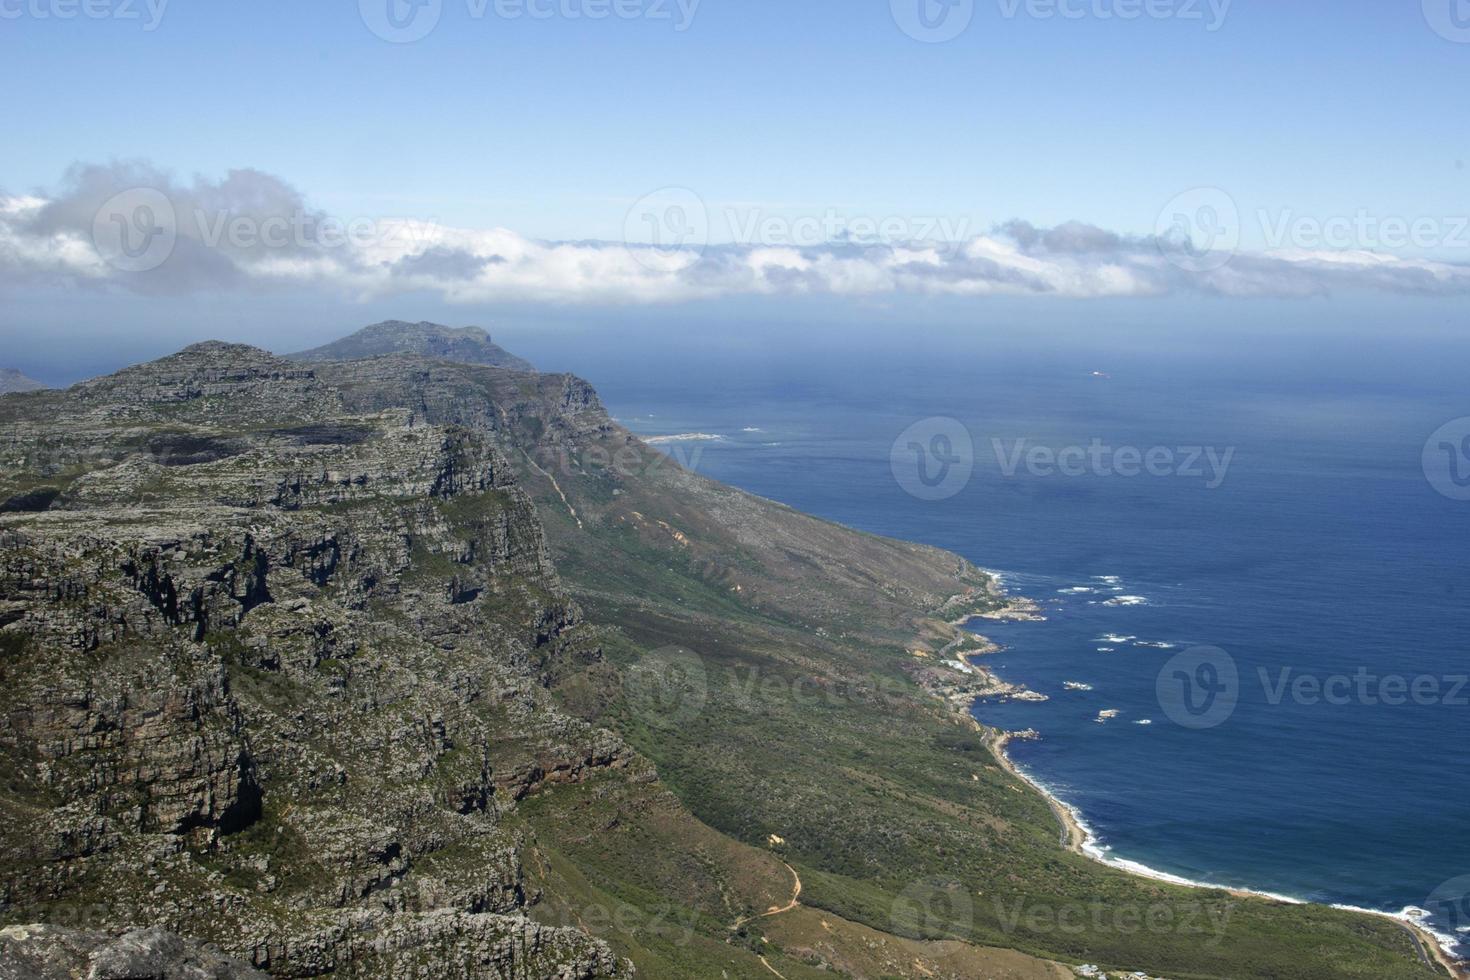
<point x="553" y="127"/>
<point x="1083" y="127"/>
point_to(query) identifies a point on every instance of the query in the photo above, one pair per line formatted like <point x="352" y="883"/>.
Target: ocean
<point x="1254" y="577"/>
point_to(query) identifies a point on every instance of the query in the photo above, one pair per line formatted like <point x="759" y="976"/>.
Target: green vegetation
<point x="806" y="724"/>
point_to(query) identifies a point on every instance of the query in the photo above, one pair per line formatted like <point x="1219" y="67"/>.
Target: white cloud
<point x="252" y="229"/>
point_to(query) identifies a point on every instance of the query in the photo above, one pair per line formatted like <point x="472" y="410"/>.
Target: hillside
<point x="408" y="667"/>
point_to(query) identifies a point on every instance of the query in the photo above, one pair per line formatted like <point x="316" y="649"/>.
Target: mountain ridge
<point x="467" y="345"/>
<point x="13" y="382"/>
<point x="358" y="667"/>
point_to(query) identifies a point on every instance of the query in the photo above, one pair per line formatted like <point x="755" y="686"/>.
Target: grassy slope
<point x="805" y="725"/>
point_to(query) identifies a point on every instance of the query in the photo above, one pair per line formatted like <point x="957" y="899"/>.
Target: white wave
<point x="1417" y="917"/>
<point x="1127" y="600"/>
<point x="684" y="437"/>
<point x="1156" y="644"/>
<point x="1109" y="579"/>
<point x="1075" y="590"/>
<point x="1107" y="649"/>
<point x="1093" y="847"/>
<point x="752" y="428"/>
<point x="1076" y="686"/>
<point x="1144" y="721"/>
<point x="1114" y="638"/>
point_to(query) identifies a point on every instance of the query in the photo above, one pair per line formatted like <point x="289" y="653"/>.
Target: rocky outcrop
<point x="46" y="952"/>
<point x="274" y="648"/>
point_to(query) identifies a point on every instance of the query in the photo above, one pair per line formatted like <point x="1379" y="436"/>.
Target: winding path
<point x="774" y="910"/>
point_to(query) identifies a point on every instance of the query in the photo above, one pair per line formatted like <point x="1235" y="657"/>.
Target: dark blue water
<point x="1325" y="552"/>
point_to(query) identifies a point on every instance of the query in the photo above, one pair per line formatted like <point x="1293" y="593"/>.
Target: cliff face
<point x="274" y="640"/>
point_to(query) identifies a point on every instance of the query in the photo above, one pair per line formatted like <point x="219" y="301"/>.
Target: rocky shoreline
<point x="976" y="682"/>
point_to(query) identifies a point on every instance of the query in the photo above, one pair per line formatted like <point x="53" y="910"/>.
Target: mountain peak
<point x="12" y="381"/>
<point x="466" y="345"/>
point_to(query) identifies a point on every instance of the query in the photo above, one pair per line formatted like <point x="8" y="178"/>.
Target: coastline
<point x="1076" y="836"/>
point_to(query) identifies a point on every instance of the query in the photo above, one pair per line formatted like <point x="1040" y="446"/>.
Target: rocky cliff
<point x="273" y="639"/>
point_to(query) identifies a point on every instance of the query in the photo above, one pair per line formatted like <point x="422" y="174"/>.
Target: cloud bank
<point x="133" y="227"/>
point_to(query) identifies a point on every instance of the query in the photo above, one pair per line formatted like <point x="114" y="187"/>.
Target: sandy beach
<point x="1076" y="839"/>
